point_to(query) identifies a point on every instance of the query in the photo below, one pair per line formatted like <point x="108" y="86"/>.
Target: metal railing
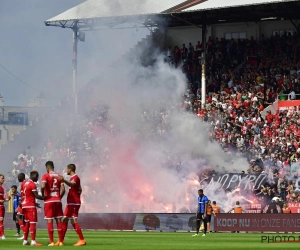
<point x="287" y="97"/>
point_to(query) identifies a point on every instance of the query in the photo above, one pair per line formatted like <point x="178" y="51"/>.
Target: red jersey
<point x="27" y="196"/>
<point x="75" y="191"/>
<point x="269" y="118"/>
<point x="52" y="187"/>
<point x="292" y="128"/>
<point x="1" y="195"/>
<point x="218" y="134"/>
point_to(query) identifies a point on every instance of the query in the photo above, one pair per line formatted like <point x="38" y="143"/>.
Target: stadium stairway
<point x="147" y="48"/>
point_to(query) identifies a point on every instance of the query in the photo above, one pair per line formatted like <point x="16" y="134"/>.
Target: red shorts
<point x="30" y="214"/>
<point x="53" y="210"/>
<point x="19" y="211"/>
<point x="2" y="212"/>
<point x="71" y="211"/>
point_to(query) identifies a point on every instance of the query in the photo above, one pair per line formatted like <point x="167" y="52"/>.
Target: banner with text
<point x="257" y="222"/>
<point x="295" y="207"/>
<point x="233" y="180"/>
<point x="290" y="105"/>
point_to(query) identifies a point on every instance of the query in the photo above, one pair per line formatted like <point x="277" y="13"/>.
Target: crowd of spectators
<point x="244" y="76"/>
<point x="23" y="163"/>
<point x="235" y="103"/>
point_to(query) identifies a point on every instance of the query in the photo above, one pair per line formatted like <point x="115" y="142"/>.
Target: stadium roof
<point x="217" y="4"/>
<point x="113" y="8"/>
<point x="215" y="11"/>
<point x="174" y="13"/>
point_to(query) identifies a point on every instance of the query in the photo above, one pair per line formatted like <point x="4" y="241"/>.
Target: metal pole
<point x="203" y="76"/>
<point x="74" y="62"/>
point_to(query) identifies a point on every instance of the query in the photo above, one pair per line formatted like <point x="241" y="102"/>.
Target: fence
<point x="283" y="97"/>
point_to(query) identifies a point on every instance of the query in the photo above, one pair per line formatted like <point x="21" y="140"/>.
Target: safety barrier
<point x="126" y="221"/>
<point x="276" y="223"/>
<point x="169" y="222"/>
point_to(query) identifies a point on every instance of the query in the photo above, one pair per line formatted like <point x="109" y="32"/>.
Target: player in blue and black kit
<point x="16" y="200"/>
<point x="201" y="212"/>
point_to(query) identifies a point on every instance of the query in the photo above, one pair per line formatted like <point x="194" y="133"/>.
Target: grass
<point x="156" y="241"/>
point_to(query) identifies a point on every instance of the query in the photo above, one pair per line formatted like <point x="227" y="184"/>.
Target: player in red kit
<point x="28" y="195"/>
<point x="2" y="208"/>
<point x="53" y="190"/>
<point x="73" y="203"/>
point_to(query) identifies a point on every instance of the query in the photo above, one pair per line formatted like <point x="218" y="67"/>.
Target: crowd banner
<point x="295" y="207"/>
<point x="253" y="208"/>
<point x="257" y="222"/>
<point x="288" y="105"/>
<point x="233" y="180"/>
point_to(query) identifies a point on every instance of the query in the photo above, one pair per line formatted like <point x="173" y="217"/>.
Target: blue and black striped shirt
<point x="202" y="200"/>
<point x="17" y="198"/>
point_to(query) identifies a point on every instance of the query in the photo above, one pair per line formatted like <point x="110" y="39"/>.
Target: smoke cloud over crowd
<point x="155" y="150"/>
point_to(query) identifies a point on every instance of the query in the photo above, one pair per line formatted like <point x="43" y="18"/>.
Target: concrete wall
<point x="4" y="135"/>
<point x="179" y="35"/>
<point x="268" y="27"/>
<point x="33" y="112"/>
<point x="251" y="29"/>
<point x="9" y="131"/>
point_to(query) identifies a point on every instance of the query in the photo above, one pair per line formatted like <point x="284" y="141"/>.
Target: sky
<point x="42" y="56"/>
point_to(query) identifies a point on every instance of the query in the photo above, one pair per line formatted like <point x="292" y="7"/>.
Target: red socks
<point x="64" y="228"/>
<point x="1" y="228"/>
<point x="50" y="231"/>
<point x="60" y="231"/>
<point x="32" y="230"/>
<point x="78" y="230"/>
<point x="26" y="230"/>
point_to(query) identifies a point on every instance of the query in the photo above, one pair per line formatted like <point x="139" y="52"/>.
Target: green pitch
<point x="155" y="241"/>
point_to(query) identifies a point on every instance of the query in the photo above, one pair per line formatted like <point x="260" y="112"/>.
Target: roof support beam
<point x="74" y="66"/>
<point x="296" y="24"/>
<point x="203" y="64"/>
<point x="185" y="21"/>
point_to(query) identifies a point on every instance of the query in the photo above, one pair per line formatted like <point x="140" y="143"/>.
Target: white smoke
<point x="152" y="168"/>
